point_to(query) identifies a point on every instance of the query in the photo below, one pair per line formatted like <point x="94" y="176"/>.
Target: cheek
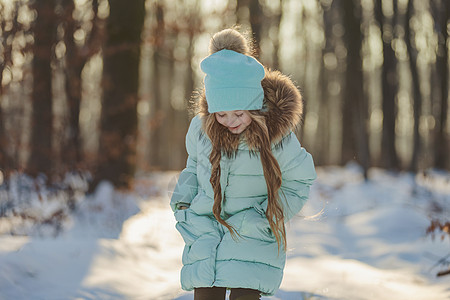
<point x="219" y="120"/>
<point x="248" y="120"/>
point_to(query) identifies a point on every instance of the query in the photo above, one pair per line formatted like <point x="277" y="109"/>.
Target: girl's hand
<point x="182" y="206"/>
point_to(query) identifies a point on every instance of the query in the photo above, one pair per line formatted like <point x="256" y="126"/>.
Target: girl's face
<point x="236" y="120"/>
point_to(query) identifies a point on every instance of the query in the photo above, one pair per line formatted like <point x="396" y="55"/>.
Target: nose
<point x="231" y="120"/>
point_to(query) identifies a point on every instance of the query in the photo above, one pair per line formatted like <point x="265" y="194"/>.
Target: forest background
<point x="103" y="86"/>
<point x="94" y="98"/>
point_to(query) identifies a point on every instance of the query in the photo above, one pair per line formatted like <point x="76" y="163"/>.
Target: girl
<point x="246" y="175"/>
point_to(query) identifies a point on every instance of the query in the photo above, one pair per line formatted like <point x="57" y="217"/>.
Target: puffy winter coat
<point x="211" y="256"/>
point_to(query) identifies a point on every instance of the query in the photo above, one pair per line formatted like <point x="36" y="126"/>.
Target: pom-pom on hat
<point x="232" y="81"/>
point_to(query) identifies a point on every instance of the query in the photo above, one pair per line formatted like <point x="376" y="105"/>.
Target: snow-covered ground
<point x="354" y="240"/>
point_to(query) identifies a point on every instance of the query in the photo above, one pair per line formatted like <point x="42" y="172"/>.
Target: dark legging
<point x="218" y="293"/>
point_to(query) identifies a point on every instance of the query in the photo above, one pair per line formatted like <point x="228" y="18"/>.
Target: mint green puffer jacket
<point x="211" y="257"/>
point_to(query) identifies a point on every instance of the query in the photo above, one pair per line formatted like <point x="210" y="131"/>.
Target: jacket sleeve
<point x="298" y="174"/>
<point x="187" y="186"/>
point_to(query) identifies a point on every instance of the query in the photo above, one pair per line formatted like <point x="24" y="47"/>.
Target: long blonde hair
<point x="258" y="138"/>
<point x="259" y="142"/>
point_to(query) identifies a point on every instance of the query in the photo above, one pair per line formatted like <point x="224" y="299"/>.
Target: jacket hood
<point x="282" y="110"/>
<point x="283" y="105"/>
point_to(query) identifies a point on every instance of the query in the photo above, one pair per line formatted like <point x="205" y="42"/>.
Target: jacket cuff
<point x="180" y="204"/>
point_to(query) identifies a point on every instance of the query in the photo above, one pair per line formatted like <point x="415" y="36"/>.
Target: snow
<point x="354" y="240"/>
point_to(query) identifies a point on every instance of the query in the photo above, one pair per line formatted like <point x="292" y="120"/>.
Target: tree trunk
<point x="441" y="140"/>
<point x="76" y="59"/>
<point x="417" y="97"/>
<point x="170" y="116"/>
<point x="256" y="21"/>
<point x="326" y="75"/>
<point x="182" y="118"/>
<point x="40" y="160"/>
<point x="6" y="48"/>
<point x="389" y="84"/>
<point x="71" y="149"/>
<point x="4" y="159"/>
<point x="276" y="41"/>
<point x="156" y="109"/>
<point x="118" y="128"/>
<point x="355" y="119"/>
<point x="348" y="138"/>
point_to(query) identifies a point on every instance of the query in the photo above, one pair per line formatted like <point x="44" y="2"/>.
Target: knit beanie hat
<point x="232" y="81"/>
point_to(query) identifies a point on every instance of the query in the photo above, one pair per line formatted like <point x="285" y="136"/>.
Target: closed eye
<point x="221" y="116"/>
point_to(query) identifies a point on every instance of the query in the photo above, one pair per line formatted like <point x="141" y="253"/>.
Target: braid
<point x="272" y="173"/>
<point x="214" y="159"/>
<point x="258" y="140"/>
<point x="274" y="213"/>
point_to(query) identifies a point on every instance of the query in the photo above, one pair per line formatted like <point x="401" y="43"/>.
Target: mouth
<point x="234" y="128"/>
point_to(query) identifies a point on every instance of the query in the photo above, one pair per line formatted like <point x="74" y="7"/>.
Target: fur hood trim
<point x="282" y="111"/>
<point x="283" y="105"/>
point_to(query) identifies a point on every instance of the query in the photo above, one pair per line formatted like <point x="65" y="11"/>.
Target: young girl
<point x="246" y="176"/>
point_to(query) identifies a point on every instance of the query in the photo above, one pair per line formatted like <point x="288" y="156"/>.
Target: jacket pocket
<point x="191" y="226"/>
<point x="181" y="215"/>
<point x="255" y="225"/>
<point x="187" y="236"/>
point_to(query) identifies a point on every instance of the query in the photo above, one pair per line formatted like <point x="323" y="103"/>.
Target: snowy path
<point x="369" y="243"/>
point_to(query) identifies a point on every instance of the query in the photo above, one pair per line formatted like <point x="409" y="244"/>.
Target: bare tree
<point x="355" y="119"/>
<point x="275" y="23"/>
<point x="256" y="23"/>
<point x="389" y="85"/>
<point x="75" y="59"/>
<point x="441" y="143"/>
<point x="417" y="97"/>
<point x="157" y="113"/>
<point x="118" y="128"/>
<point x="5" y="62"/>
<point x="256" y="18"/>
<point x="326" y="75"/>
<point x="40" y="160"/>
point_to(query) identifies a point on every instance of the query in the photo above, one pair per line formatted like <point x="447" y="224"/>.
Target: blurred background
<point x="103" y="86"/>
<point x="94" y="109"/>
